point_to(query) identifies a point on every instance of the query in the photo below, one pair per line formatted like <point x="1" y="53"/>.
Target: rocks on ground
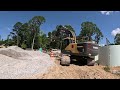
<point x="16" y="63"/>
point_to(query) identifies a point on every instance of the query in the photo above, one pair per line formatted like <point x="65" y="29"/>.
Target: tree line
<point x="30" y="35"/>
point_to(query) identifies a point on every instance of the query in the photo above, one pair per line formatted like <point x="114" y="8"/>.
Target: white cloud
<point x="116" y="31"/>
<point x="8" y="29"/>
<point x="107" y="12"/>
<point x="117" y="11"/>
<point x="5" y="29"/>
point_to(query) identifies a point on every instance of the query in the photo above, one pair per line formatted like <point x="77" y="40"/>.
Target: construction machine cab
<point x="66" y="41"/>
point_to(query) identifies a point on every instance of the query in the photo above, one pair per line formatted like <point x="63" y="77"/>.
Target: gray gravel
<point x="24" y="64"/>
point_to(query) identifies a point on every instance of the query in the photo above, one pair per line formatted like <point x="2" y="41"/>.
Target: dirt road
<point x="78" y="72"/>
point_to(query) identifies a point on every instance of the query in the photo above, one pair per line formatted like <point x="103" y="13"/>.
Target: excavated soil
<point x="78" y="72"/>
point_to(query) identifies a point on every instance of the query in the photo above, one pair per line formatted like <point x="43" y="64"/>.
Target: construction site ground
<point x="16" y="63"/>
<point x="79" y="72"/>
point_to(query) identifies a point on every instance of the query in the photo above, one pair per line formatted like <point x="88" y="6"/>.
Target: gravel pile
<point x="14" y="52"/>
<point x="16" y="48"/>
<point x="16" y="63"/>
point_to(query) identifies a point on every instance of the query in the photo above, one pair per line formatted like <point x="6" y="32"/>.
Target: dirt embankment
<point x="78" y="72"/>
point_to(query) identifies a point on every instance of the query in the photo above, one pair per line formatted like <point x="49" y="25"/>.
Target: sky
<point x="107" y="21"/>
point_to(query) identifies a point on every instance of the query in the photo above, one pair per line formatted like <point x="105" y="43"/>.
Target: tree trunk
<point x="61" y="45"/>
<point x="0" y="37"/>
<point x="8" y="40"/>
<point x="17" y="39"/>
<point x="33" y="41"/>
<point x="89" y="38"/>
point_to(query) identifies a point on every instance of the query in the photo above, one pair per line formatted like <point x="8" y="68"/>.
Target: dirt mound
<point x="78" y="72"/>
<point x="14" y="52"/>
<point x="16" y="48"/>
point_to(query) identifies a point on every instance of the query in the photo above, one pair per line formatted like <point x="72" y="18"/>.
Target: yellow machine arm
<point x="73" y="34"/>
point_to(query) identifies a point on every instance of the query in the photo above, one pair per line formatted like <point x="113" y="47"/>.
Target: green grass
<point x="107" y="68"/>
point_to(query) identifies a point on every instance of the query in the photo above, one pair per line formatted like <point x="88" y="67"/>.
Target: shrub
<point x="107" y="68"/>
<point x="23" y="46"/>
